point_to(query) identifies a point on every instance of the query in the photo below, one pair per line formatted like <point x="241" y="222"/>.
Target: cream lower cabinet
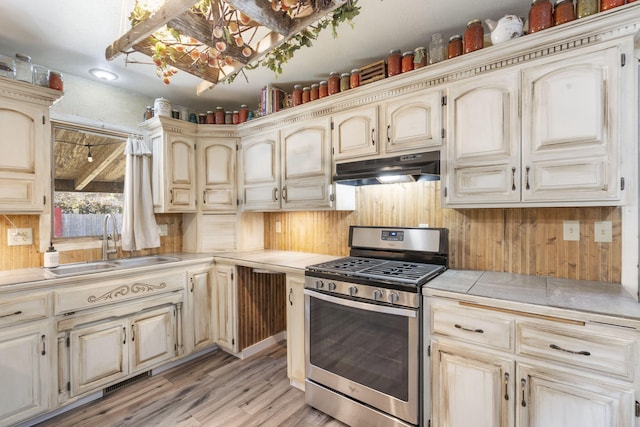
<point x="200" y="310"/>
<point x="490" y="368"/>
<point x="225" y="307"/>
<point x="548" y="131"/>
<point x="104" y="352"/>
<point x="295" y="330"/>
<point x="25" y="356"/>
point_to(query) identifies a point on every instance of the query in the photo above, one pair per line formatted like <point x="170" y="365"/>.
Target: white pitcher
<point x="506" y="28"/>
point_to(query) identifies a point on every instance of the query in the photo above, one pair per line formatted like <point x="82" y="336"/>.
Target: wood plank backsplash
<point x="516" y="240"/>
<point x="16" y="257"/>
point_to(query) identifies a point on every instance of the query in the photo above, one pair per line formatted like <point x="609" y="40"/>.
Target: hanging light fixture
<point x="89" y="156"/>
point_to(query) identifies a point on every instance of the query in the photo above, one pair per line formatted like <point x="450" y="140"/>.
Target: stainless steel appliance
<point x="363" y="325"/>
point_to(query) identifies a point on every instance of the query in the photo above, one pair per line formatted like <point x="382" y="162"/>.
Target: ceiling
<point x="72" y="35"/>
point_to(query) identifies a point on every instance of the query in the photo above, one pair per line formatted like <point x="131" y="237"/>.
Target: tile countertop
<point x="283" y="261"/>
<point x="609" y="299"/>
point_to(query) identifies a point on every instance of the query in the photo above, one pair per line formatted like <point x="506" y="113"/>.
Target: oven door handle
<point x="362" y="305"/>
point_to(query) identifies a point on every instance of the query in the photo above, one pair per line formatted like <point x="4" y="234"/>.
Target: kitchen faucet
<point x="105" y="237"/>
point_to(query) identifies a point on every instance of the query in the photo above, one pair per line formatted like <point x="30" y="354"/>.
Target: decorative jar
<point x="354" y="78"/>
<point x="419" y="57"/>
<point x="454" y="47"/>
<point x="7" y="67"/>
<point x="24" y="68"/>
<point x="610" y="4"/>
<point x="473" y="36"/>
<point x="563" y="12"/>
<point x="436" y="49"/>
<point x="407" y="62"/>
<point x="323" y="89"/>
<point x="334" y="83"/>
<point x="586" y="8"/>
<point x="540" y="15"/>
<point x="394" y="61"/>
<point x="296" y="97"/>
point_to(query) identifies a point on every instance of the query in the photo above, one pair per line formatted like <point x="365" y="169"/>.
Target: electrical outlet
<point x="278" y="227"/>
<point x="19" y="236"/>
<point x="571" y="230"/>
<point x="163" y="229"/>
<point x="602" y="232"/>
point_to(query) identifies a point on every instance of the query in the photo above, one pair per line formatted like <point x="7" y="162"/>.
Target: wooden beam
<point x="261" y="12"/>
<point x="144" y="29"/>
<point x="86" y="178"/>
<point x="93" y="187"/>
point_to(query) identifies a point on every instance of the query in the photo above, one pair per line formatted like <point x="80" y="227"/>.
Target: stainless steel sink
<point x="116" y="264"/>
<point x="83" y="268"/>
<point x="144" y="261"/>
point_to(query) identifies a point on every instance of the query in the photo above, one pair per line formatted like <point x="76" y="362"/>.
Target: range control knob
<point x="394" y="297"/>
<point x="319" y="284"/>
<point x="332" y="286"/>
<point x="377" y="294"/>
<point x="353" y="290"/>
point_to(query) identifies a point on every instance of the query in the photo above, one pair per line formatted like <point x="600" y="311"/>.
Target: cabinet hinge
<point x="429" y="423"/>
<point x="333" y="151"/>
<point x="637" y="409"/>
<point x="68" y="385"/>
<point x="44" y="200"/>
<point x="68" y="342"/>
<point x="331" y="124"/>
<point x="237" y="147"/>
<point x="232" y="275"/>
<point x="233" y="341"/>
<point x="623" y="59"/>
<point x="622" y="183"/>
<point x="44" y="121"/>
<point x="444" y="100"/>
<point x="429" y="351"/>
<point x="445" y="192"/>
<point x="443" y="134"/>
<point x="195" y="147"/>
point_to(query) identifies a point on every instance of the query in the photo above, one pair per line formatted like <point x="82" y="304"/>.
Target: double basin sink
<point x="116" y="264"/>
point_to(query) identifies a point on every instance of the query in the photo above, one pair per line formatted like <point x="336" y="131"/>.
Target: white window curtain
<point x="139" y="228"/>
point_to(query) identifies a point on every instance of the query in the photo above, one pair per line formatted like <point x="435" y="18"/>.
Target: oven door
<point x="365" y="351"/>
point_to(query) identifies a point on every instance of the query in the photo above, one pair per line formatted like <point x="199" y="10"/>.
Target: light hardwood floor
<point x="214" y="390"/>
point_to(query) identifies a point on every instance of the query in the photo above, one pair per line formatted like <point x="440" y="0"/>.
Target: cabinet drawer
<point x="607" y="350"/>
<point x="20" y="310"/>
<point x="474" y="325"/>
<point x="113" y="291"/>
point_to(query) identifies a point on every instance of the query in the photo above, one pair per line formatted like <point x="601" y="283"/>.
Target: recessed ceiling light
<point x="103" y="74"/>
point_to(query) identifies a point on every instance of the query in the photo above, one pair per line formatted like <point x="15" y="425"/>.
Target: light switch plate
<point x="602" y="232"/>
<point x="278" y="227"/>
<point x="19" y="236"/>
<point x="571" y="230"/>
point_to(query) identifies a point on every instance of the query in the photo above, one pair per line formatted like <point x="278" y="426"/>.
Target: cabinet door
<point x="99" y="355"/>
<point x="355" y="133"/>
<point x="260" y="173"/>
<point x="24" y="163"/>
<point x="295" y="331"/>
<point x="570" y="128"/>
<point x="225" y="307"/>
<point x="306" y="166"/>
<point x="180" y="170"/>
<point x="414" y="122"/>
<point x="200" y="304"/>
<point x="24" y="372"/>
<point x="558" y="399"/>
<point x="483" y="136"/>
<point x="471" y="388"/>
<point x="152" y="338"/>
<point x="217" y="168"/>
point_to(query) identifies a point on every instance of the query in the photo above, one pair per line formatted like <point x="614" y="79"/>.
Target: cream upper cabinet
<point x="25" y="355"/>
<point x="306" y="165"/>
<point x="483" y="139"/>
<point x="225" y="306"/>
<point x="413" y="122"/>
<point x="217" y="174"/>
<point x="295" y="330"/>
<point x="289" y="169"/>
<point x="260" y="172"/>
<point x="25" y="144"/>
<point x="548" y="132"/>
<point x="173" y="174"/>
<point x="570" y="128"/>
<point x="356" y="133"/>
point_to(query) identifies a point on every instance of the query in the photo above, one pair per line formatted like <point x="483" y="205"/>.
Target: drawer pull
<point x="17" y="313"/>
<point x="477" y="331"/>
<point x="581" y="353"/>
<point x="523" y="382"/>
<point x="44" y="345"/>
<point x="506" y="386"/>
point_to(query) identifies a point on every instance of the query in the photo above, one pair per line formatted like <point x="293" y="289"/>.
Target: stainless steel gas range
<point x="363" y="322"/>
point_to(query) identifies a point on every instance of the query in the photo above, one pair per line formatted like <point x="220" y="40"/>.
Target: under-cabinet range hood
<point x="405" y="168"/>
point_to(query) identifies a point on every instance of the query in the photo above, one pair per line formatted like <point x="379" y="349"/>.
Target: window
<point x="89" y="167"/>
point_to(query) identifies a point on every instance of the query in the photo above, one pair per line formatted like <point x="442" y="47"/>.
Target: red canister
<point x="540" y="15"/>
<point x="407" y="62"/>
<point x="473" y="36"/>
<point x="455" y="46"/>
<point x="297" y="95"/>
<point x="315" y="92"/>
<point x="306" y="94"/>
<point x="394" y="63"/>
<point x="55" y="80"/>
<point x="323" y="89"/>
<point x="244" y="113"/>
<point x="219" y="115"/>
<point x="211" y="119"/>
<point x="354" y="78"/>
<point x="610" y="4"/>
<point x="563" y="12"/>
<point x="334" y="83"/>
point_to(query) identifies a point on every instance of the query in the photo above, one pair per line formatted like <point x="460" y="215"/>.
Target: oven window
<point x="363" y="346"/>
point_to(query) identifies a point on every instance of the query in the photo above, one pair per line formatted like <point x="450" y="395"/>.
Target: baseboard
<point x="262" y="345"/>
